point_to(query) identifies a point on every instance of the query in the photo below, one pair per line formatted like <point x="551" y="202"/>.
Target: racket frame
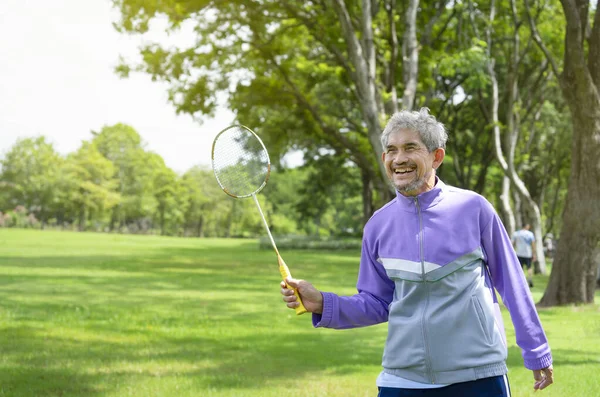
<point x="283" y="268"/>
<point x="212" y="159"/>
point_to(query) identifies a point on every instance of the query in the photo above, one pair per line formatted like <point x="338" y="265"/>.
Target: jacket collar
<point x="426" y="199"/>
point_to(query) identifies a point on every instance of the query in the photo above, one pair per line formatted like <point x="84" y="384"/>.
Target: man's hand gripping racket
<point x="241" y="165"/>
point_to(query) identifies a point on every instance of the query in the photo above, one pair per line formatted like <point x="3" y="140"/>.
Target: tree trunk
<point x="508" y="217"/>
<point x="43" y="218"/>
<point x="598" y="269"/>
<point x="550" y="218"/>
<point x="114" y="217"/>
<point x="518" y="211"/>
<point x="200" y="227"/>
<point x="573" y="278"/>
<point x="162" y="221"/>
<point x="391" y="105"/>
<point x="230" y="219"/>
<point x="362" y="57"/>
<point x="573" y="275"/>
<point x="512" y="122"/>
<point x="367" y="198"/>
<point x="410" y="55"/>
<point x="363" y="60"/>
<point x="82" y="218"/>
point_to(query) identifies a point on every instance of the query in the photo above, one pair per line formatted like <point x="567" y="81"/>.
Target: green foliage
<point x="469" y="64"/>
<point x="204" y="202"/>
<point x="32" y="171"/>
<point x="89" y="185"/>
<point x="285" y="69"/>
<point x="19" y="217"/>
<point x="328" y="202"/>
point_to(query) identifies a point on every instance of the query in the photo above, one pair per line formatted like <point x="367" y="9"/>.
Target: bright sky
<point x="56" y="79"/>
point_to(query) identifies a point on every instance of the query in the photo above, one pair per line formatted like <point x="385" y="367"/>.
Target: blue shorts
<point x="525" y="261"/>
<point x="496" y="386"/>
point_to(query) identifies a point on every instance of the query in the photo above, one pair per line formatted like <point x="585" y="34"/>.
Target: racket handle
<point x="285" y="273"/>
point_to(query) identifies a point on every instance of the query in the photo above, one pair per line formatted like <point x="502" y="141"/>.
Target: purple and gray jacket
<point x="429" y="266"/>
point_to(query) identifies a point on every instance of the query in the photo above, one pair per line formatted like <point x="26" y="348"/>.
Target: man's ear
<point x="438" y="157"/>
<point x="383" y="157"/>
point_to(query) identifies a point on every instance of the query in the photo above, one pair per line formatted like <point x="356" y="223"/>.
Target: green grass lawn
<point x="85" y="314"/>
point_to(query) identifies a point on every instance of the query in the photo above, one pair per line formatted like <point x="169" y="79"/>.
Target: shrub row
<point x="310" y="242"/>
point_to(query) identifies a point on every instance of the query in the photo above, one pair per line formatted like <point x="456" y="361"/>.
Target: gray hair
<point x="432" y="132"/>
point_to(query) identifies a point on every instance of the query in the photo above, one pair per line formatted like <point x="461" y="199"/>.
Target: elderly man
<point x="431" y="259"/>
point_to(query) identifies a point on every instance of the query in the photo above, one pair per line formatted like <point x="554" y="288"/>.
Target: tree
<point x="169" y="194"/>
<point x="89" y="185"/>
<point x="202" y="195"/>
<point x="32" y="169"/>
<point x="332" y="67"/>
<point x="327" y="199"/>
<point x="123" y="146"/>
<point x="505" y="151"/>
<point x="321" y="76"/>
<point x="573" y="278"/>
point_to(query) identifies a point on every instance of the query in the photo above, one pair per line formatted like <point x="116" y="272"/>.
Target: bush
<point x="311" y="242"/>
<point x="19" y="217"/>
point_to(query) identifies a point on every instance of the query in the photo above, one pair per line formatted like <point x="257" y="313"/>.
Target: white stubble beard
<point x="411" y="186"/>
<point x="415" y="185"/>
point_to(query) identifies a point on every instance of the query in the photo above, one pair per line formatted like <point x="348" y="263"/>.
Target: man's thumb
<point x="292" y="282"/>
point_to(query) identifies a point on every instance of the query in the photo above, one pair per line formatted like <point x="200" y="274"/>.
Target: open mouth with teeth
<point x="403" y="171"/>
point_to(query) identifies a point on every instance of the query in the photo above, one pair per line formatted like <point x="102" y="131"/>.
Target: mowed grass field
<point x="85" y="314"/>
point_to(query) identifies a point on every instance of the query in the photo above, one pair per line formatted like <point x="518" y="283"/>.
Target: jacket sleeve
<point x="368" y="307"/>
<point x="510" y="283"/>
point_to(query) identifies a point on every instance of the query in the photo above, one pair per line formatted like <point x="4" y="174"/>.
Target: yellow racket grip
<point x="285" y="273"/>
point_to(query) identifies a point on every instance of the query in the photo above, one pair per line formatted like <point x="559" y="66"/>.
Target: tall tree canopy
<point x="322" y="77"/>
<point x="306" y="75"/>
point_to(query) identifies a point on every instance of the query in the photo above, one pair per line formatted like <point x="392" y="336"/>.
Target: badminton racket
<point x="242" y="167"/>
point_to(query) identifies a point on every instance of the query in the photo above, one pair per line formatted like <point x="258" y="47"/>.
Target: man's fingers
<point x="288" y="286"/>
<point x="541" y="385"/>
<point x="545" y="383"/>
<point x="287" y="291"/>
<point x="548" y="378"/>
<point x="543" y="378"/>
<point x="289" y="298"/>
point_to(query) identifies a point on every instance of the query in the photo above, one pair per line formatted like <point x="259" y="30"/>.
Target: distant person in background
<point x="524" y="242"/>
<point x="549" y="245"/>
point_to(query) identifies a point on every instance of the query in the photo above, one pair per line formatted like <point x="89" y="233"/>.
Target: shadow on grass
<point x="42" y="365"/>
<point x="559" y="356"/>
<point x="82" y="325"/>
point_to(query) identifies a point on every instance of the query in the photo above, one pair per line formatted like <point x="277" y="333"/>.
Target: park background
<point x="171" y="291"/>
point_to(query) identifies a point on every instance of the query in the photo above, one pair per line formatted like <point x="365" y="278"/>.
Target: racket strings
<point x="240" y="162"/>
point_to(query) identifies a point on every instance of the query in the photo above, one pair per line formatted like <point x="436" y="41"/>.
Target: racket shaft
<point x="283" y="269"/>
<point x="285" y="273"/>
<point x="262" y="216"/>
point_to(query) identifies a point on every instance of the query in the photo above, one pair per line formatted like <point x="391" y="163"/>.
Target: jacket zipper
<point x="423" y="328"/>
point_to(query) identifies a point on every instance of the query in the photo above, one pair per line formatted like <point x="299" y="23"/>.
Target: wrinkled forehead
<point x="403" y="137"/>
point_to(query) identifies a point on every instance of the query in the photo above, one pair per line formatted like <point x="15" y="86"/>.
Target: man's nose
<point x="399" y="157"/>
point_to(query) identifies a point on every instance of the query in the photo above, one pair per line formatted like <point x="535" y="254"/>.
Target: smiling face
<point x="409" y="165"/>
